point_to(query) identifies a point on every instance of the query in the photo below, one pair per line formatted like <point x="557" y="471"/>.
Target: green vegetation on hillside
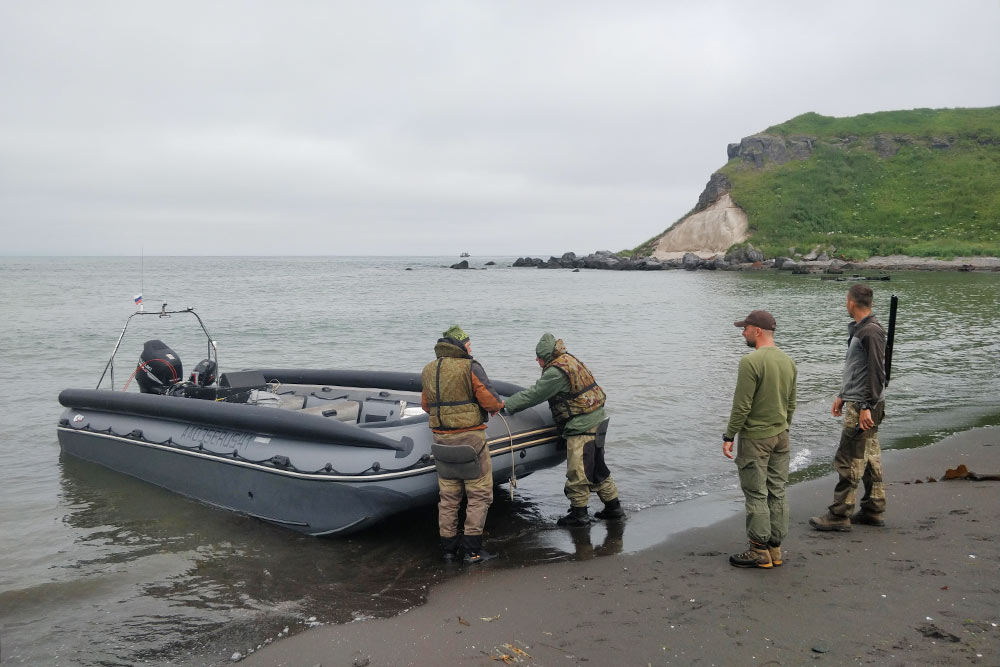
<point x="924" y="201"/>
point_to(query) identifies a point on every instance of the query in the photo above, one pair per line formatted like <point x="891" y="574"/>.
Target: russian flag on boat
<point x="138" y="299"/>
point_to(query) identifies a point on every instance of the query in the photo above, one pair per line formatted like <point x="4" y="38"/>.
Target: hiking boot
<point x="612" y="510"/>
<point x="756" y="555"/>
<point x="775" y="552"/>
<point x="830" y="522"/>
<point x="474" y="552"/>
<point x="449" y="548"/>
<point x="868" y="519"/>
<point x="577" y="516"/>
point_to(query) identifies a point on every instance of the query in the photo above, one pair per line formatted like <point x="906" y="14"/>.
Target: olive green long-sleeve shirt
<point x="548" y="385"/>
<point x="764" y="399"/>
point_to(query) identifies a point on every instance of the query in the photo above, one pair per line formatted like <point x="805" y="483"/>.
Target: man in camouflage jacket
<point x="577" y="405"/>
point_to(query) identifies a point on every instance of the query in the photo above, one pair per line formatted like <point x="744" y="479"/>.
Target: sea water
<point x="97" y="568"/>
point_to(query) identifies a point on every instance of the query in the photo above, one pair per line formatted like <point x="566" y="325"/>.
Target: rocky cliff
<point x="918" y="183"/>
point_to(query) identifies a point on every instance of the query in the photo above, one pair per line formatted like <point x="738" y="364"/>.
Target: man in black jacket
<point x="862" y="403"/>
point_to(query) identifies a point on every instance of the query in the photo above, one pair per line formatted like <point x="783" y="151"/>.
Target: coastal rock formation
<point x="705" y="233"/>
<point x="758" y="148"/>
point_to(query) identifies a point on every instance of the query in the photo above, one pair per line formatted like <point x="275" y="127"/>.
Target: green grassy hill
<point x="924" y="183"/>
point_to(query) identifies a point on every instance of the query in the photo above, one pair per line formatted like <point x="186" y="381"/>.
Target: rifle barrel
<point x="890" y="337"/>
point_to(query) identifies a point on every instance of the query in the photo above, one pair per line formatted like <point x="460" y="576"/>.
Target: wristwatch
<point x="864" y="405"/>
<point x="726" y="438"/>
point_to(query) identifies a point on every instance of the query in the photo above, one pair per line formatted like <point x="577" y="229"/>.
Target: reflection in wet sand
<point x="203" y="583"/>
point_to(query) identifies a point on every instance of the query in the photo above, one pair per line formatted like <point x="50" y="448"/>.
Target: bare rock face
<point x="885" y="146"/>
<point x="759" y="148"/>
<point x="718" y="185"/>
<point x="705" y="233"/>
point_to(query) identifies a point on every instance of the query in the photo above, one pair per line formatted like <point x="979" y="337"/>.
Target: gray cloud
<point x="425" y="128"/>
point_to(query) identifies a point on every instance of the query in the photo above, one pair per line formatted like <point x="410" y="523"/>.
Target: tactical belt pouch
<point x="602" y="433"/>
<point x="456" y="461"/>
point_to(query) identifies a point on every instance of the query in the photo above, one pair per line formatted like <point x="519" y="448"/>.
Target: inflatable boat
<point x="323" y="452"/>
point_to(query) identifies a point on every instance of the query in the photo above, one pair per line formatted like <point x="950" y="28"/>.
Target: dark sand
<point x="923" y="590"/>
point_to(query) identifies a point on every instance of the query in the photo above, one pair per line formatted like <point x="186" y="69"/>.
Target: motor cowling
<point x="204" y="373"/>
<point x="159" y="368"/>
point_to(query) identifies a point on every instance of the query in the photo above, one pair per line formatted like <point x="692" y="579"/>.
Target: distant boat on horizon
<point x="465" y="254"/>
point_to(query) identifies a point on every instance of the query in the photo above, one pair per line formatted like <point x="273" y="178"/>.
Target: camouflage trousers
<point x="579" y="485"/>
<point x="478" y="492"/>
<point x="763" y="470"/>
<point x="858" y="459"/>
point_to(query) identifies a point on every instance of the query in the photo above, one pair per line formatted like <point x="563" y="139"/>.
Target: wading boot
<point x="868" y="519"/>
<point x="612" y="510"/>
<point x="756" y="555"/>
<point x="775" y="551"/>
<point x="830" y="522"/>
<point x="474" y="552"/>
<point x="577" y="516"/>
<point x="449" y="548"/>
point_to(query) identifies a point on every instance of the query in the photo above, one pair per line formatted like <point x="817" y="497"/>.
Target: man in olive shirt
<point x="763" y="404"/>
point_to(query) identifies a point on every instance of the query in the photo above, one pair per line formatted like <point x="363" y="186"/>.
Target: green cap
<point x="456" y="333"/>
<point x="546" y="346"/>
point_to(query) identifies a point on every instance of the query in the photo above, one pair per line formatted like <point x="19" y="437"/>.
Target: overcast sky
<point x="429" y="128"/>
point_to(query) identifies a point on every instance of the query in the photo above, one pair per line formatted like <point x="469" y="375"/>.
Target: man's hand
<point x="727" y="448"/>
<point x="865" y="420"/>
<point x="838" y="407"/>
<point x="495" y="412"/>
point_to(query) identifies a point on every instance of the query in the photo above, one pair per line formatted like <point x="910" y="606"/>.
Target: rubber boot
<point x="449" y="548"/>
<point x="474" y="552"/>
<point x="577" y="516"/>
<point x="830" y="522"/>
<point x="756" y="555"/>
<point x="612" y="510"/>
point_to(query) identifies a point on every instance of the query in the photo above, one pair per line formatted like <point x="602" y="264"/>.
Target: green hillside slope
<point x="921" y="183"/>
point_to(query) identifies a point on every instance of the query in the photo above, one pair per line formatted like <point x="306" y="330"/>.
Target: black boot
<point x="577" y="516"/>
<point x="474" y="552"/>
<point x="449" y="545"/>
<point x="612" y="510"/>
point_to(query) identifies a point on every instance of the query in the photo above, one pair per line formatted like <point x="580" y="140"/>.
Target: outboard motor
<point x="204" y="373"/>
<point x="159" y="368"/>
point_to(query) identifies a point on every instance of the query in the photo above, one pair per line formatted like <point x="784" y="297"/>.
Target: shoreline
<point x="753" y="260"/>
<point x="921" y="590"/>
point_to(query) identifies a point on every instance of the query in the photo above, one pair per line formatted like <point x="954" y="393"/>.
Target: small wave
<point x="800" y="460"/>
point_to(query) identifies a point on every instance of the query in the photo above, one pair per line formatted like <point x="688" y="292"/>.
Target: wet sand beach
<point x="923" y="590"/>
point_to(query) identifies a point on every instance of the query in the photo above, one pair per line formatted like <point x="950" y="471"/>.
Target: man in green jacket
<point x="763" y="404"/>
<point x="577" y="405"/>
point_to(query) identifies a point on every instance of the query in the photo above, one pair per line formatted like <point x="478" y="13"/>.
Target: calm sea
<point x="100" y="569"/>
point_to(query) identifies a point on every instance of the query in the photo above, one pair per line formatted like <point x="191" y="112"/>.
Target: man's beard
<point x="750" y="343"/>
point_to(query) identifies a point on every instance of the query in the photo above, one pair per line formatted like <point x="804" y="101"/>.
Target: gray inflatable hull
<point x="313" y="475"/>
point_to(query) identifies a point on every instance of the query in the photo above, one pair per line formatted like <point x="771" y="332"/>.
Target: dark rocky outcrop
<point x="464" y="264"/>
<point x="759" y="148"/>
<point x="718" y="185"/>
<point x="745" y="255"/>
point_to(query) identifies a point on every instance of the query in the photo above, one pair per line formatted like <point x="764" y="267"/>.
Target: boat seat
<point x="292" y="402"/>
<point x="342" y="410"/>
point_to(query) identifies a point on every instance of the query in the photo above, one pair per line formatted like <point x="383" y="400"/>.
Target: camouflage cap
<point x="456" y="333"/>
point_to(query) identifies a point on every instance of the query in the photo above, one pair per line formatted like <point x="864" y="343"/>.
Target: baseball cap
<point x="758" y="318"/>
